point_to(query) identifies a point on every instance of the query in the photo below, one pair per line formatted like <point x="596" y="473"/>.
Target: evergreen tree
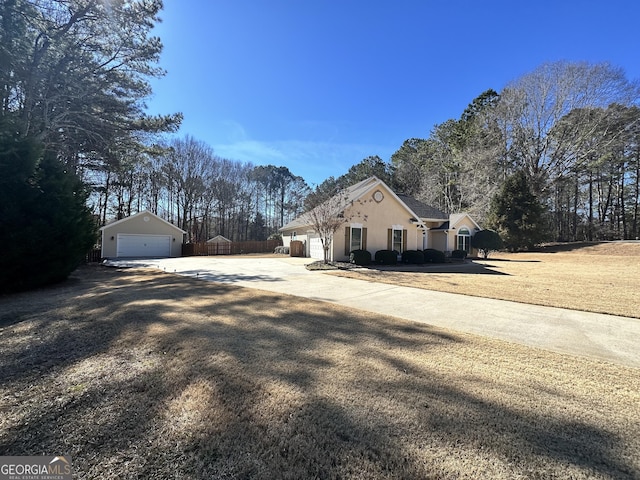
<point x="370" y="166"/>
<point x="46" y="227"/>
<point x="517" y="215"/>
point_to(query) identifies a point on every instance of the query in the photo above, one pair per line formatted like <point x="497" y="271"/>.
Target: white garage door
<point x="143" y="245"/>
<point x="315" y="248"/>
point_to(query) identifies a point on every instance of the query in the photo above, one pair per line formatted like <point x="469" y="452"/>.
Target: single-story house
<point x="377" y="218"/>
<point x="142" y="235"/>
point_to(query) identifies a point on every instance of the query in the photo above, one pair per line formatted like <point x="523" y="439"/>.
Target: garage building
<point x="142" y="235"/>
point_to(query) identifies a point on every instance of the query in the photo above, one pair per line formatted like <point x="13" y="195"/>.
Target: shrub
<point x="459" y="254"/>
<point x="282" y="250"/>
<point x="415" y="257"/>
<point x="431" y="255"/>
<point x="360" y="257"/>
<point x="386" y="257"/>
<point x="486" y="241"/>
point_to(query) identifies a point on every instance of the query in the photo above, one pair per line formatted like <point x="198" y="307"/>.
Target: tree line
<point x="570" y="130"/>
<point x="184" y="182"/>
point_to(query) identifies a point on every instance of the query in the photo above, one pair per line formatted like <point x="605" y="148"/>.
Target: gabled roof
<point x="346" y="197"/>
<point x="416" y="209"/>
<point x="219" y="239"/>
<point x="455" y="218"/>
<point x="144" y="212"/>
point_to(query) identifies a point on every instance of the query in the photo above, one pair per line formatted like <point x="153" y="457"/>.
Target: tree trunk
<point x="590" y="229"/>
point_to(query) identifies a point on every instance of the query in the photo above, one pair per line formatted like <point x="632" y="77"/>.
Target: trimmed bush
<point x="360" y="257"/>
<point x="386" y="257"/>
<point x="282" y="250"/>
<point x="459" y="254"/>
<point x="431" y="255"/>
<point x="486" y="241"/>
<point x="415" y="257"/>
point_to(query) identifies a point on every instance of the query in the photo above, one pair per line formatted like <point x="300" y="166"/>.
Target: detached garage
<point x="141" y="235"/>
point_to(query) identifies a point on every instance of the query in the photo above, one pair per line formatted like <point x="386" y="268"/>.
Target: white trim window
<point x="398" y="241"/>
<point x="356" y="237"/>
<point x="463" y="239"/>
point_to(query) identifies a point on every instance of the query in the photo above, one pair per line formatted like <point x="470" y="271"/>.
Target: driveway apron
<point x="598" y="336"/>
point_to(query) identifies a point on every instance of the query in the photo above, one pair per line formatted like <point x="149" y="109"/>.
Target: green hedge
<point x="386" y="257"/>
<point x="415" y="257"/>
<point x="459" y="254"/>
<point x="360" y="257"/>
<point x="431" y="255"/>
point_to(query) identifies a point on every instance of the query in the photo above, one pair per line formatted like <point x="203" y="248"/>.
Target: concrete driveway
<point x="605" y="337"/>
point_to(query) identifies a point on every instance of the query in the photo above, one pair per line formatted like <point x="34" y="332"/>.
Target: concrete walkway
<point x="604" y="337"/>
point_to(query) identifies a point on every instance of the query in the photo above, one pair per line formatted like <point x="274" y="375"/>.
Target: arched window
<point x="463" y="239"/>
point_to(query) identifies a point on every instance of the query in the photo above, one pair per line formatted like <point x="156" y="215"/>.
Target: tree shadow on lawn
<point x="510" y="260"/>
<point x="469" y="267"/>
<point x="142" y="374"/>
<point x="564" y="247"/>
<point x="213" y="276"/>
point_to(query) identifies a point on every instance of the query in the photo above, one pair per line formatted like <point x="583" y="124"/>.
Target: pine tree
<point x="517" y="215"/>
<point x="46" y="227"/>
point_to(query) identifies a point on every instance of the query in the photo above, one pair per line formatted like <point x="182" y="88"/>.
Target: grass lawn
<point x="142" y="374"/>
<point x="601" y="278"/>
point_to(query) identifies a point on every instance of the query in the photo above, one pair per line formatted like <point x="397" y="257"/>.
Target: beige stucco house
<point x="376" y="218"/>
<point x="142" y="235"/>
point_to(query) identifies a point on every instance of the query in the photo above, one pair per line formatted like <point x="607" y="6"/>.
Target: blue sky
<point x="318" y="85"/>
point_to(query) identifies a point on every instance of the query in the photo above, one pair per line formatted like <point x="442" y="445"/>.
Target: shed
<point x="219" y="245"/>
<point x="144" y="234"/>
<point x="219" y="239"/>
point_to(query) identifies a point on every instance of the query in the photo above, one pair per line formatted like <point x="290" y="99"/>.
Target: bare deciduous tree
<point x="326" y="218"/>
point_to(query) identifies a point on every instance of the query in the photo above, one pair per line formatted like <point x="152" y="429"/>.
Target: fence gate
<point x="296" y="248"/>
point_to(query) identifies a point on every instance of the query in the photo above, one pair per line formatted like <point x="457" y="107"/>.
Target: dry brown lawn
<point x="142" y="374"/>
<point x="601" y="278"/>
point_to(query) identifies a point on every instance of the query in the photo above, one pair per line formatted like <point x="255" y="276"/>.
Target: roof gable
<point x="219" y="239"/>
<point x="456" y="218"/>
<point x="351" y="194"/>
<point x="144" y="212"/>
<point x="346" y="197"/>
<point x="420" y="211"/>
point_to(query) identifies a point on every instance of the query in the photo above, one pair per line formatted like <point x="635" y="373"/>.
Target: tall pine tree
<point x="46" y="227"/>
<point x="517" y="215"/>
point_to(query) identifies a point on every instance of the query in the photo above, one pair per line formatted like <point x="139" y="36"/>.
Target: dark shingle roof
<point x="422" y="209"/>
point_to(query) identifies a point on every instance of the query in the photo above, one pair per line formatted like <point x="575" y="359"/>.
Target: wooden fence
<point x="229" y="248"/>
<point x="94" y="255"/>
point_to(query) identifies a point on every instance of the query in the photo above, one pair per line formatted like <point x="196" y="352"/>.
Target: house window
<point x="397" y="240"/>
<point x="356" y="238"/>
<point x="463" y="240"/>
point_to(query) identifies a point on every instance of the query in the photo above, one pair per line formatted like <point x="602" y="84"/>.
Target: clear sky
<point x="318" y="85"/>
